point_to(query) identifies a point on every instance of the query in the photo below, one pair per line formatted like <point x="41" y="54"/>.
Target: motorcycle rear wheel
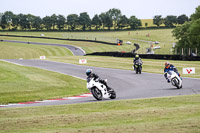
<point x="113" y="94"/>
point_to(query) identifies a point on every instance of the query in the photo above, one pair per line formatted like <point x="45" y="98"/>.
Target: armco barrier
<point x="61" y="39"/>
<point x="148" y="56"/>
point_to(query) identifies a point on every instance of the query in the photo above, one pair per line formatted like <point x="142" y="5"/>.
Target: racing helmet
<point x="166" y="64"/>
<point x="136" y="56"/>
<point x="88" y="72"/>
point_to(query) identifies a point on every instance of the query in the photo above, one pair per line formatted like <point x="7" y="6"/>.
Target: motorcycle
<point x="99" y="90"/>
<point x="174" y="79"/>
<point x="138" y="67"/>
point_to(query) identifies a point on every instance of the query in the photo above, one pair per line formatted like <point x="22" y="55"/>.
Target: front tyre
<point x="96" y="93"/>
<point x="176" y="82"/>
<point x="140" y="70"/>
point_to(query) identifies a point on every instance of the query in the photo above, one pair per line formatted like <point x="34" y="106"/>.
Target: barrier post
<point x="189" y="51"/>
<point x="182" y="51"/>
<point x="196" y="51"/>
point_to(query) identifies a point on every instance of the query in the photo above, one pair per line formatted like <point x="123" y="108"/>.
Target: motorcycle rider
<point x="137" y="58"/>
<point x="90" y="74"/>
<point x="170" y="67"/>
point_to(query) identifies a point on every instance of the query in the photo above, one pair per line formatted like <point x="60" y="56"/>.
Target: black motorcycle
<point x="138" y="67"/>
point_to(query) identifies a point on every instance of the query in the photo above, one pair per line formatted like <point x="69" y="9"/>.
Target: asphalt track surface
<point x="75" y="50"/>
<point x="126" y="83"/>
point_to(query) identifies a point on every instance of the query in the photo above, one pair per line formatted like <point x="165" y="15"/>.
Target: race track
<point x="75" y="50"/>
<point x="126" y="83"/>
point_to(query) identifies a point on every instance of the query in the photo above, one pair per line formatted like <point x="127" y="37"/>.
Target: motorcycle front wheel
<point x="140" y="70"/>
<point x="176" y="82"/>
<point x="97" y="93"/>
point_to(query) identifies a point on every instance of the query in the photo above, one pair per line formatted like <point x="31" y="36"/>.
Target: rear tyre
<point x="97" y="93"/>
<point x="181" y="86"/>
<point x="113" y="94"/>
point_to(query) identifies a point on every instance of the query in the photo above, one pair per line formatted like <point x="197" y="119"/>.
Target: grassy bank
<point x="149" y="65"/>
<point x="171" y="114"/>
<point x="20" y="84"/>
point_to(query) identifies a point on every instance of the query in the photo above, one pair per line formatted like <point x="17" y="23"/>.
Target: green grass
<point x="164" y="36"/>
<point x="20" y="84"/>
<point x="149" y="65"/>
<point x="28" y="51"/>
<point x="171" y="114"/>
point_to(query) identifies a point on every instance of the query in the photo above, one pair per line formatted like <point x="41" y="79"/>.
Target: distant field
<point x="164" y="36"/>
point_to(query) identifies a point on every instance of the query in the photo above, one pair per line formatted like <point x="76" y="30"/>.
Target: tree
<point x="31" y="20"/>
<point x="96" y="21"/>
<point x="115" y="15"/>
<point x="24" y="21"/>
<point x="123" y="22"/>
<point x="72" y="21"/>
<point x="182" y="19"/>
<point x="158" y="20"/>
<point x="84" y="20"/>
<point x="170" y="21"/>
<point x="1" y="14"/>
<point x="102" y="17"/>
<point x="3" y="22"/>
<point x="53" y="20"/>
<point x="7" y="19"/>
<point x="134" y="22"/>
<point x="47" y="22"/>
<point x="108" y="21"/>
<point x="61" y="21"/>
<point x="196" y="15"/>
<point x="15" y="21"/>
<point x="37" y="24"/>
<point x="188" y="34"/>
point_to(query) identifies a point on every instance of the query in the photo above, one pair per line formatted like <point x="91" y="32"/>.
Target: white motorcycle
<point x="99" y="90"/>
<point x="175" y="79"/>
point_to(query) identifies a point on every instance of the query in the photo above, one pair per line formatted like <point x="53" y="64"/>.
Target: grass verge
<point x="171" y="114"/>
<point x="21" y="84"/>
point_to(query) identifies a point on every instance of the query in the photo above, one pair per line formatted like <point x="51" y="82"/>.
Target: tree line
<point x="113" y="18"/>
<point x="188" y="35"/>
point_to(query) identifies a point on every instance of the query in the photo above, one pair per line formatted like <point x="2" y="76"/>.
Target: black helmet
<point x="88" y="72"/>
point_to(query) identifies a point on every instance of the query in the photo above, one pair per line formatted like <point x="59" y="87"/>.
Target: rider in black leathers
<point x="90" y="74"/>
<point x="137" y="58"/>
